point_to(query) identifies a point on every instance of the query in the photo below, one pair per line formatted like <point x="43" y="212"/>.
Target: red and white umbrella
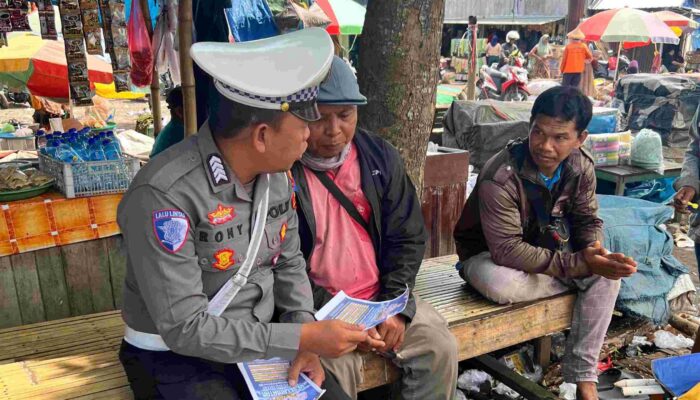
<point x="347" y="16"/>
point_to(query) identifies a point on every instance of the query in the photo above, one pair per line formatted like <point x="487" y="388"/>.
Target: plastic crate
<point x="90" y="178"/>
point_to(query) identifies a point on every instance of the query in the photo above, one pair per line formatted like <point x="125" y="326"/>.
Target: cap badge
<point x="284" y="106"/>
<point x="221" y="215"/>
<point x="224" y="259"/>
<point x="217" y="170"/>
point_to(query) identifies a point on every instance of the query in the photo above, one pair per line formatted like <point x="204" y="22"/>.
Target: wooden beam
<point x="543" y="351"/>
<point x="526" y="388"/>
<point x="189" y="99"/>
<point x="28" y="291"/>
<point x="155" y="80"/>
<point x="49" y="266"/>
<point x="9" y="305"/>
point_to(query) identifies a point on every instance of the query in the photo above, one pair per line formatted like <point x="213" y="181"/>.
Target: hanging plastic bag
<point x="139" y="48"/>
<point x="250" y="20"/>
<point x="164" y="36"/>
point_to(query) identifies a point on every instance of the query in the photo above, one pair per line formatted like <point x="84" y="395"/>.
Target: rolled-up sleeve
<point x="169" y="281"/>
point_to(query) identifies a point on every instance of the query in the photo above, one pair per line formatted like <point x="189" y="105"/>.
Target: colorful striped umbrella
<point x="40" y="65"/>
<point x="627" y="25"/>
<point x="347" y="16"/>
<point x="671" y="18"/>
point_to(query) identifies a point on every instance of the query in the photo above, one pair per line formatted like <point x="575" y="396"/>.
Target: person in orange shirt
<point x="573" y="62"/>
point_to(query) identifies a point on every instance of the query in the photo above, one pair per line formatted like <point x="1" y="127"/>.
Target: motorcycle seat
<point x="494" y="73"/>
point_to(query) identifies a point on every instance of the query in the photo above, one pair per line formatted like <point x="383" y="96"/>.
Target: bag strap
<point x="342" y="199"/>
<point x="230" y="289"/>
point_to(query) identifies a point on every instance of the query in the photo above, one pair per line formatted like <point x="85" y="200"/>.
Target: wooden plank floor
<point x="76" y="358"/>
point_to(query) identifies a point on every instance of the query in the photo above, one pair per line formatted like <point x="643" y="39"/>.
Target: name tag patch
<point x="170" y="227"/>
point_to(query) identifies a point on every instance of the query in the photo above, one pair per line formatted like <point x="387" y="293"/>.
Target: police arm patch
<point x="170" y="227"/>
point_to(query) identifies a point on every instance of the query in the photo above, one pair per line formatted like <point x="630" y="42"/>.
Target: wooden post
<point x="189" y="100"/>
<point x="617" y="66"/>
<point x="155" y="80"/>
<point x="577" y="9"/>
<point x="471" y="80"/>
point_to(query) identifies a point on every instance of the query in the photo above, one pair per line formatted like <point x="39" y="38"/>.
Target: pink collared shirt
<point x="343" y="257"/>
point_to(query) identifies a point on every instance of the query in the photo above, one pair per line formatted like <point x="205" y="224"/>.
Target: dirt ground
<point x="125" y="111"/>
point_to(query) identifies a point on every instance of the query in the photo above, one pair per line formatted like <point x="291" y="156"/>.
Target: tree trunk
<point x="577" y="9"/>
<point x="398" y="71"/>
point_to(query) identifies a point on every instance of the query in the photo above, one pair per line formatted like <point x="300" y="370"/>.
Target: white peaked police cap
<point x="278" y="73"/>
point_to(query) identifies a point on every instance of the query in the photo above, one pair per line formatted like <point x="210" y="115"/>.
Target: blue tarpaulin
<point x="677" y="374"/>
<point x="632" y="228"/>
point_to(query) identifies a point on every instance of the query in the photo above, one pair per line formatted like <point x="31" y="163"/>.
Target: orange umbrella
<point x="40" y="65"/>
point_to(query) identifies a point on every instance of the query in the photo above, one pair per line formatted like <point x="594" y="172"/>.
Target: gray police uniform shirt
<point x="186" y="221"/>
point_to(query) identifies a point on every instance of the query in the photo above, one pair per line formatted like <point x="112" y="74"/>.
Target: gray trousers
<point x="592" y="311"/>
<point x="428" y="360"/>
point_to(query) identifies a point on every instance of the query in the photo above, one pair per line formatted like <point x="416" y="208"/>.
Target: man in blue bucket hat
<point x="362" y="232"/>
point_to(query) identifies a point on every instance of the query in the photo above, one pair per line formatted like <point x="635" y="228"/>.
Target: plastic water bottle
<point x="111" y="150"/>
<point x="78" y="148"/>
<point x="50" y="148"/>
<point x="66" y="153"/>
<point x="95" y="149"/>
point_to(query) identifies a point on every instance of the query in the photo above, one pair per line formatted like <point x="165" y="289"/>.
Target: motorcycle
<point x="7" y="96"/>
<point x="603" y="72"/>
<point x="509" y="83"/>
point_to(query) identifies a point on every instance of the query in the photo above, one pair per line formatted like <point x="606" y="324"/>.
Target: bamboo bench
<point x="76" y="358"/>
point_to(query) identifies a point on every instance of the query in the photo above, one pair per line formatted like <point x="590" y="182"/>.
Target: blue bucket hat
<point x="340" y="86"/>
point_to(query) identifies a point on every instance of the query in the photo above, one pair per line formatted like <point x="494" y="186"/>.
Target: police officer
<point x="211" y="233"/>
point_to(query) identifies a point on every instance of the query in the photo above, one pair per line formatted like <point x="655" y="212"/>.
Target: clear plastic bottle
<point x="66" y="153"/>
<point x="50" y="148"/>
<point x="95" y="150"/>
<point x="112" y="138"/>
<point x="111" y="150"/>
<point x="41" y="139"/>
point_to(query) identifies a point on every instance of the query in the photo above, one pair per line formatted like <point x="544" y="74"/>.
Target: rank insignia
<point x="217" y="171"/>
<point x="283" y="232"/>
<point x="170" y="227"/>
<point x="224" y="259"/>
<point x="221" y="215"/>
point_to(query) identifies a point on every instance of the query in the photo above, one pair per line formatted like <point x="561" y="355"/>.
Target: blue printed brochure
<point x="267" y="379"/>
<point x="362" y="312"/>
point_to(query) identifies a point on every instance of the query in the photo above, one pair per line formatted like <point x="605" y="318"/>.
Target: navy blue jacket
<point x="396" y="223"/>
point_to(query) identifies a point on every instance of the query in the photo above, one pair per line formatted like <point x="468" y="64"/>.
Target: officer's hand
<point x="609" y="265"/>
<point x="332" y="338"/>
<point x="392" y="332"/>
<point x="681" y="199"/>
<point x="309" y="364"/>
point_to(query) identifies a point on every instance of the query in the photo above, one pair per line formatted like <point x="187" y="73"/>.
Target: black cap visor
<point x="306" y="110"/>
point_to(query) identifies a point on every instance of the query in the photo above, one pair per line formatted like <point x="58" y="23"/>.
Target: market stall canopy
<point x="348" y="16"/>
<point x="645" y="4"/>
<point x="627" y="25"/>
<point x="515" y="20"/>
<point x="40" y="66"/>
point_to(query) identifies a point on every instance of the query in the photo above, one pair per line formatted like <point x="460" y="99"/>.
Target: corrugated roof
<point x="645" y="4"/>
<point x="510" y="20"/>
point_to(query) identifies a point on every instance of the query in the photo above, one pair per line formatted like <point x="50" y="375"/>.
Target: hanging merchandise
<point x="250" y="20"/>
<point x="140" y="48"/>
<point x="164" y="35"/>
<point x="18" y="15"/>
<point x="116" y="43"/>
<point x="3" y="39"/>
<point x="91" y="26"/>
<point x="47" y="20"/>
<point x="293" y="16"/>
<point x="75" y="52"/>
<point x="5" y="23"/>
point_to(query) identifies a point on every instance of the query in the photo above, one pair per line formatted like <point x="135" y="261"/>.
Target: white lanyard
<point x="225" y="295"/>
